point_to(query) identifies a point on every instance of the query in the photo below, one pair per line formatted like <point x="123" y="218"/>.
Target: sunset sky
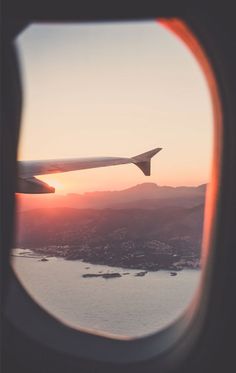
<point x="114" y="89"/>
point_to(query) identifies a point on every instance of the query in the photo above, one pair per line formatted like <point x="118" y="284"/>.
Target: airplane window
<point x="114" y="162"/>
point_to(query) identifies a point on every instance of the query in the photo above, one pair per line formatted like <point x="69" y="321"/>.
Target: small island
<point x="43" y="260"/>
<point x="103" y="275"/>
<point x="140" y="274"/>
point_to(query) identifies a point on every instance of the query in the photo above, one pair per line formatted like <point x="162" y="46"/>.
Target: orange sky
<point x="114" y="90"/>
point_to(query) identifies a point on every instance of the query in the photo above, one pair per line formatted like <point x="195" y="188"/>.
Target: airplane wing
<point x="27" y="170"/>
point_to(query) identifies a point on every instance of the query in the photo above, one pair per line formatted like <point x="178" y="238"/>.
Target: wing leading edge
<point x="27" y="170"/>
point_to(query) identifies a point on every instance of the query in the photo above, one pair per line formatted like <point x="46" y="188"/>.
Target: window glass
<point x="112" y="249"/>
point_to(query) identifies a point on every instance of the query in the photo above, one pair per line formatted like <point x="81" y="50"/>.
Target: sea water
<point x="129" y="305"/>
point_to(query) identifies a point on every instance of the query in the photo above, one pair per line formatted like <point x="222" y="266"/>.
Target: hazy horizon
<point x="61" y="193"/>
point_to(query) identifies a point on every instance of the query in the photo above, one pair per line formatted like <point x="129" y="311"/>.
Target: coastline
<point x="43" y="254"/>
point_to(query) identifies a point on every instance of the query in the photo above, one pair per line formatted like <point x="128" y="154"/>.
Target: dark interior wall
<point x="216" y="27"/>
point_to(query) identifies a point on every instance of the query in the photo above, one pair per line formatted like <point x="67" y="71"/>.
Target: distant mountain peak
<point x="143" y="186"/>
<point x="202" y="187"/>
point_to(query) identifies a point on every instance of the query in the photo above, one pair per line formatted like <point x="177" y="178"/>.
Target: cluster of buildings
<point x="149" y="255"/>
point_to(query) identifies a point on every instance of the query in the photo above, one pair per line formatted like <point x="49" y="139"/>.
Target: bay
<point x="128" y="306"/>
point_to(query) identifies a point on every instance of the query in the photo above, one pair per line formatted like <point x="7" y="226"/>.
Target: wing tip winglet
<point x="143" y="161"/>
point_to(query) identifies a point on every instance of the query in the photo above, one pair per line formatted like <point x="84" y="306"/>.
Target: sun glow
<point x="52" y="181"/>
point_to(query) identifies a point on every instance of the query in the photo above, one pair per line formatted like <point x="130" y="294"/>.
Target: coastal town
<point x="142" y="237"/>
<point x="151" y="255"/>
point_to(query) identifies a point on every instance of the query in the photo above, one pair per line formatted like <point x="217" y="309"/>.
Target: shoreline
<point x="149" y="267"/>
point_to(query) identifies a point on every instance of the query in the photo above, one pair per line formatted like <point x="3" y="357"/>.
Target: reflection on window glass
<point x="112" y="249"/>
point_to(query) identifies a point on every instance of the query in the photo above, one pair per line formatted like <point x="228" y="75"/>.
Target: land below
<point x="145" y="227"/>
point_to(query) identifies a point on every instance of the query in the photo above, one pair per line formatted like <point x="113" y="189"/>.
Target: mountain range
<point x="146" y="195"/>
